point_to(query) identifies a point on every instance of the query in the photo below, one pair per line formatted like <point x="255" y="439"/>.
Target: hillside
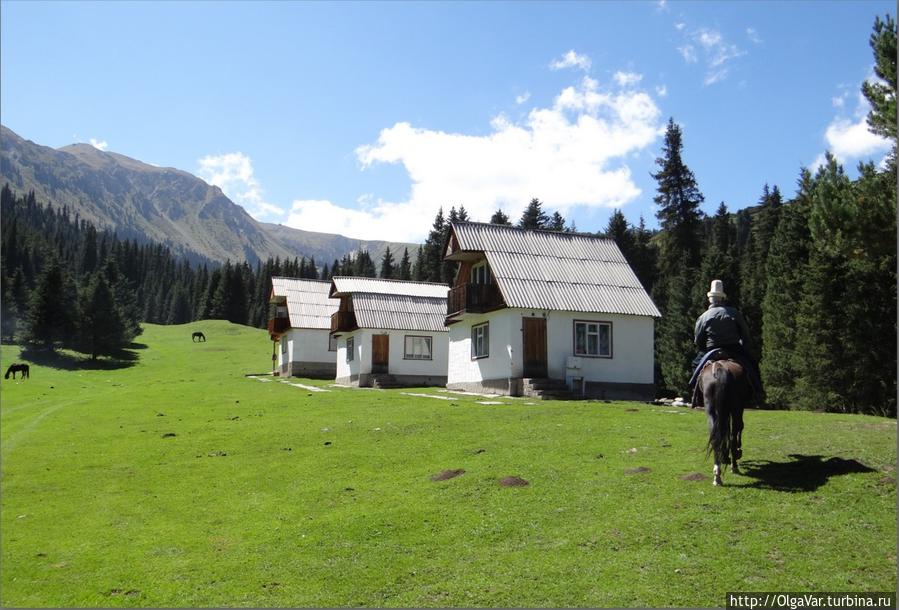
<point x="160" y="204"/>
<point x="173" y="480"/>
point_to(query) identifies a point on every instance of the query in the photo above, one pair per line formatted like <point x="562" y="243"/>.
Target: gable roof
<point x="394" y="304"/>
<point x="345" y="285"/>
<point x="554" y="270"/>
<point x="308" y="305"/>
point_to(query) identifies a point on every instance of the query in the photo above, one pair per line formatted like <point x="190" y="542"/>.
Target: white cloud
<point x="839" y="101"/>
<point x="753" y="35"/>
<point x="571" y="59"/>
<point x="98" y="144"/>
<point x="521" y="99"/>
<point x="662" y="5"/>
<point x="233" y="173"/>
<point x="662" y="91"/>
<point x="627" y="79"/>
<point x="688" y="53"/>
<point x="716" y="52"/>
<point x="849" y="139"/>
<point x="572" y="153"/>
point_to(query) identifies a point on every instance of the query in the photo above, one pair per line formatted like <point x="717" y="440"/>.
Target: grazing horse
<point x="725" y="390"/>
<point x="198" y="336"/>
<point x="18" y="368"/>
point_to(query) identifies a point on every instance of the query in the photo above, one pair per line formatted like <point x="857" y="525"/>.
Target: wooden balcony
<point x="278" y="326"/>
<point x="474" y="298"/>
<point x="343" y="321"/>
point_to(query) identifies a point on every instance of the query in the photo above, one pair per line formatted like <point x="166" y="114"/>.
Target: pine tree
<point x="101" y="327"/>
<point x="556" y="222"/>
<point x="678" y="199"/>
<point x="882" y="95"/>
<point x="499" y="218"/>
<point x="533" y="216"/>
<point x="387" y="265"/>
<point x="617" y="229"/>
<point x="52" y="308"/>
<point x="787" y="260"/>
<point x="405" y="268"/>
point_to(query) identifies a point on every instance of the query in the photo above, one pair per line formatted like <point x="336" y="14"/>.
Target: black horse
<point x="18" y="368"/>
<point x="725" y="392"/>
<point x="198" y="336"/>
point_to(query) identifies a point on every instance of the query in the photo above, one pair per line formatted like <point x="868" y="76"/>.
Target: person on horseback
<point x="723" y="327"/>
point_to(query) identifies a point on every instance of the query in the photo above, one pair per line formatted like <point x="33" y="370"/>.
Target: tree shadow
<point x="136" y="345"/>
<point x="71" y="362"/>
<point x="803" y="473"/>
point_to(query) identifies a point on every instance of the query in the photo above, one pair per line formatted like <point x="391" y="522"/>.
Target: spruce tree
<point x="533" y="216"/>
<point x="882" y="95"/>
<point x="52" y="308"/>
<point x="556" y="222"/>
<point x="388" y="268"/>
<point x="101" y="326"/>
<point x="500" y="218"/>
<point x="405" y="267"/>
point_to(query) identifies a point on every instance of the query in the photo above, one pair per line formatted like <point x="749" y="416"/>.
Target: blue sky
<point x="363" y="119"/>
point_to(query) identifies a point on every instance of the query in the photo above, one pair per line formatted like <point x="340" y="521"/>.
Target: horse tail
<point x="719" y="435"/>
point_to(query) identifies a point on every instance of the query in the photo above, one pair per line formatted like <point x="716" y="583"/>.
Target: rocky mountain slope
<point x="161" y="204"/>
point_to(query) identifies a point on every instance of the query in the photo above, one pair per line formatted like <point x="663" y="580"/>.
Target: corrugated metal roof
<point x="561" y="271"/>
<point x="308" y="304"/>
<point x="400" y="312"/>
<point x="347" y="285"/>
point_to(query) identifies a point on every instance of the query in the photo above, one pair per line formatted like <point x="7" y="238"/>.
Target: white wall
<point x="504" y="359"/>
<point x="306" y="345"/>
<point x="632" y="347"/>
<point x="397" y="364"/>
<point x="632" y="358"/>
<point x="361" y="363"/>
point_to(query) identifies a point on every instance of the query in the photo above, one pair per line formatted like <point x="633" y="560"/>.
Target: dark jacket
<point x="721" y="326"/>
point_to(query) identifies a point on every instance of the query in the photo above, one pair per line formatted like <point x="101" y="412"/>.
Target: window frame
<point x="486" y="340"/>
<point x="333" y="342"/>
<point x="406" y="353"/>
<point x="599" y="324"/>
<point x="350" y="349"/>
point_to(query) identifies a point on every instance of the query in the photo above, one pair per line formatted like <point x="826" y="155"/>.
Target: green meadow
<point x="171" y="478"/>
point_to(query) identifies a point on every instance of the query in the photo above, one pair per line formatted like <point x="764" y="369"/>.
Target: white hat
<point x="717" y="290"/>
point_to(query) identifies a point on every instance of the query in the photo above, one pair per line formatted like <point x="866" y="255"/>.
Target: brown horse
<point x="725" y="391"/>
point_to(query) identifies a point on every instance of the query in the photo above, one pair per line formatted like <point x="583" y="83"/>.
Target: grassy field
<point x="175" y="480"/>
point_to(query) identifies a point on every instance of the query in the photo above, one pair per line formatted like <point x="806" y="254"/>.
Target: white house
<point x="301" y="328"/>
<point x="530" y="305"/>
<point x="389" y="332"/>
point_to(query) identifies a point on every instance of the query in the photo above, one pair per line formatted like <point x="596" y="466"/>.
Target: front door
<point x="534" y="339"/>
<point x="380" y="350"/>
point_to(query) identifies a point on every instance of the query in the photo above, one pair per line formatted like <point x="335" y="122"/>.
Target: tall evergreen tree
<point x="405" y="268"/>
<point x="678" y="199"/>
<point x="533" y="216"/>
<point x="882" y="95"/>
<point x="53" y="308"/>
<point x="556" y="222"/>
<point x="388" y="267"/>
<point x="101" y="325"/>
<point x="500" y="218"/>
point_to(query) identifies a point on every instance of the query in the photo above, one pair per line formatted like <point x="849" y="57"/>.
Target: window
<point x="284" y="346"/>
<point x="593" y="339"/>
<point x="480" y="274"/>
<point x="480" y="341"/>
<point x="350" y="349"/>
<point x="332" y="343"/>
<point x="418" y="348"/>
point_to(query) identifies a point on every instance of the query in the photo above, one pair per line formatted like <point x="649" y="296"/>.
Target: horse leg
<point x="717" y="472"/>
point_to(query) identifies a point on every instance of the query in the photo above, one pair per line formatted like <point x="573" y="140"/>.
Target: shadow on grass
<point x="68" y="361"/>
<point x="803" y="473"/>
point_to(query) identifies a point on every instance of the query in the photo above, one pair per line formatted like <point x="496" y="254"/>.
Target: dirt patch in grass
<point x="513" y="482"/>
<point x="632" y="410"/>
<point x="637" y="470"/>
<point x="694" y="476"/>
<point x="447" y="474"/>
<point x="887" y="481"/>
<point x="169" y="435"/>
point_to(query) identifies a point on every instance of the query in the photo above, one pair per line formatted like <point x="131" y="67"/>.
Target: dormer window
<point x="480" y="274"/>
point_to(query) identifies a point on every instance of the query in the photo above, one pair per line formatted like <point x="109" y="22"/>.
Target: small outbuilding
<point x="301" y="328"/>
<point x="389" y="332"/>
<point x="531" y="307"/>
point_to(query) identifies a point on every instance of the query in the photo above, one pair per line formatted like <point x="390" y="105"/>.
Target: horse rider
<point x="723" y="327"/>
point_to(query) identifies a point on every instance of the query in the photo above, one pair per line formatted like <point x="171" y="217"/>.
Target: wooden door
<point x="534" y="340"/>
<point x="380" y="353"/>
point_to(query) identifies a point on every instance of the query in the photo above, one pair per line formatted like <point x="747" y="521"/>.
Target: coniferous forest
<point x="815" y="276"/>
